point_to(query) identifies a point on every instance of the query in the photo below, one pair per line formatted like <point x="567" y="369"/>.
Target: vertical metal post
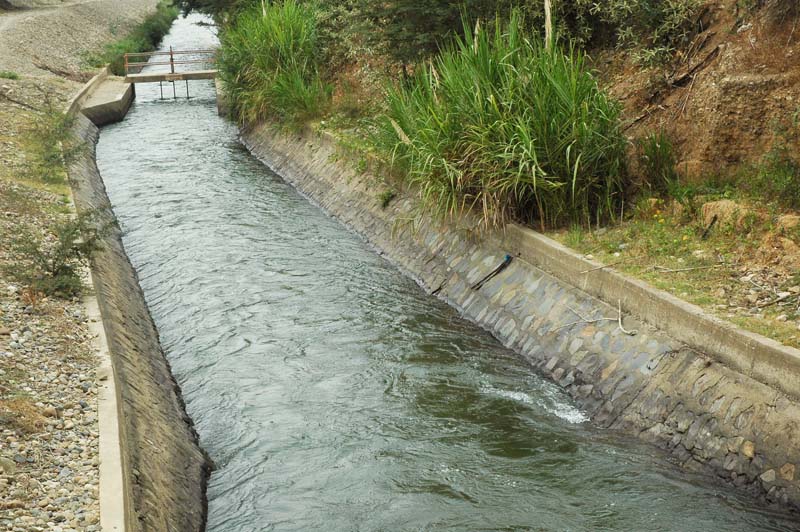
<point x="187" y="89"/>
<point x="171" y="61"/>
<point x="174" y="94"/>
<point x="161" y="87"/>
<point x="126" y="64"/>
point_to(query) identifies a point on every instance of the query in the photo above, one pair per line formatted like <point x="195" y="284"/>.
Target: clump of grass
<point x="20" y="413"/>
<point x="145" y="38"/>
<point x="51" y="265"/>
<point x="386" y="197"/>
<point x="658" y="163"/>
<point x="8" y="74"/>
<point x="268" y="61"/>
<point x="503" y="124"/>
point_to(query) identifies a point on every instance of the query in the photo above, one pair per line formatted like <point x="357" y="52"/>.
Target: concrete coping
<point x="75" y="104"/>
<point x="751" y="354"/>
<point x="113" y="499"/>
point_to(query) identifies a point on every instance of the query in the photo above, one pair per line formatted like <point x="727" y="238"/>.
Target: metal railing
<point x="136" y="62"/>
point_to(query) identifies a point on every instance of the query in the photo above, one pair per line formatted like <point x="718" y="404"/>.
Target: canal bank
<point x="742" y="426"/>
<point x="164" y="471"/>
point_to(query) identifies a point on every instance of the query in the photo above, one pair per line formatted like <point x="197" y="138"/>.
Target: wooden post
<point x="548" y="25"/>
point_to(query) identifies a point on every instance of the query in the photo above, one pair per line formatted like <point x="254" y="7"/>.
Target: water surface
<point x="331" y="392"/>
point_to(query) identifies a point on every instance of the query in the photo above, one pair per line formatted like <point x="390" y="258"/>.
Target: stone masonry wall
<point x="708" y="416"/>
<point x="165" y="471"/>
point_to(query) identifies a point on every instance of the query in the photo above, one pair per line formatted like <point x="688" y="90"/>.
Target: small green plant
<point x="658" y="162"/>
<point x="386" y="197"/>
<point x="269" y="61"/>
<point x="50" y="265"/>
<point x="8" y="74"/>
<point x="52" y="146"/>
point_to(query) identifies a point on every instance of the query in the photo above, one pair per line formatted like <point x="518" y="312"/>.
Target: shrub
<point x="52" y="146"/>
<point x="268" y="62"/>
<point x="500" y="123"/>
<point x="145" y="38"/>
<point x="8" y="74"/>
<point x="51" y="266"/>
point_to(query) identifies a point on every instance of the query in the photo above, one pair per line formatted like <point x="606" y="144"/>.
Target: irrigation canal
<point x="331" y="392"/>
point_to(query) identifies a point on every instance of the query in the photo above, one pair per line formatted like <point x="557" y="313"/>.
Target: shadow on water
<point x="330" y="390"/>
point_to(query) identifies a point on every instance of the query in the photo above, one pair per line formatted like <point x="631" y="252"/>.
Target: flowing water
<point x="331" y="392"/>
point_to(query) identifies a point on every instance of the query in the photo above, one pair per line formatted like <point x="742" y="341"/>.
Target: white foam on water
<point x="552" y="405"/>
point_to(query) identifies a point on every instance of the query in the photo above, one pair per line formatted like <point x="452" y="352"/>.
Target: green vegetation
<point x="269" y="63"/>
<point x="658" y="163"/>
<point x="145" y="38"/>
<point x="51" y="265"/>
<point x="8" y="74"/>
<point x="52" y="146"/>
<point x="500" y="123"/>
<point x="386" y="197"/>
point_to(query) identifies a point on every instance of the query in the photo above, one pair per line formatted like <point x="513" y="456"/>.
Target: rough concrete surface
<point x="165" y="471"/>
<point x="711" y="417"/>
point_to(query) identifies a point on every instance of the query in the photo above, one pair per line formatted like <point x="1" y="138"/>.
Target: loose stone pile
<point x="48" y="409"/>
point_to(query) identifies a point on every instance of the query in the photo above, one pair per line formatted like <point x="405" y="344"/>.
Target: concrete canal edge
<point x="722" y="401"/>
<point x="153" y="473"/>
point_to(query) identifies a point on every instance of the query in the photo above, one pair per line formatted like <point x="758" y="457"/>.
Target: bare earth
<point x="48" y="387"/>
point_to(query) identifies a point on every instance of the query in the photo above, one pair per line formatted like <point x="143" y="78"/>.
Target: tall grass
<point x="502" y="124"/>
<point x="144" y="38"/>
<point x="269" y="63"/>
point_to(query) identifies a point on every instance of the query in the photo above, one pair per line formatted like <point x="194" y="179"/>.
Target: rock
<point x="788" y="221"/>
<point x="50" y="412"/>
<point x="782" y="317"/>
<point x="7" y="466"/>
<point x="728" y="213"/>
<point x="748" y="449"/>
<point x="768" y="477"/>
<point x="787" y="472"/>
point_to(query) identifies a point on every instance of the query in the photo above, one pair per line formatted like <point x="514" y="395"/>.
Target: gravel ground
<point x="48" y="389"/>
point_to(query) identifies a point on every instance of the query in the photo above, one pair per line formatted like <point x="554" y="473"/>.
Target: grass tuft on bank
<point x="502" y="124"/>
<point x="269" y="63"/>
<point x="145" y="38"/>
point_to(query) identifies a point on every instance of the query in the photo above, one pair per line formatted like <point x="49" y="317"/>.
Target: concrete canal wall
<point x="729" y="407"/>
<point x="164" y="471"/>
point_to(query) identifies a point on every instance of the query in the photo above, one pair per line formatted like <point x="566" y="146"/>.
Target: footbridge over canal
<point x="107" y="98"/>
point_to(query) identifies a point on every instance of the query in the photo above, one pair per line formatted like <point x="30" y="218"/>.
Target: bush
<point x="268" y="62"/>
<point x="51" y="266"/>
<point x="145" y="38"/>
<point x="52" y="146"/>
<point x="501" y="123"/>
<point x="8" y="74"/>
